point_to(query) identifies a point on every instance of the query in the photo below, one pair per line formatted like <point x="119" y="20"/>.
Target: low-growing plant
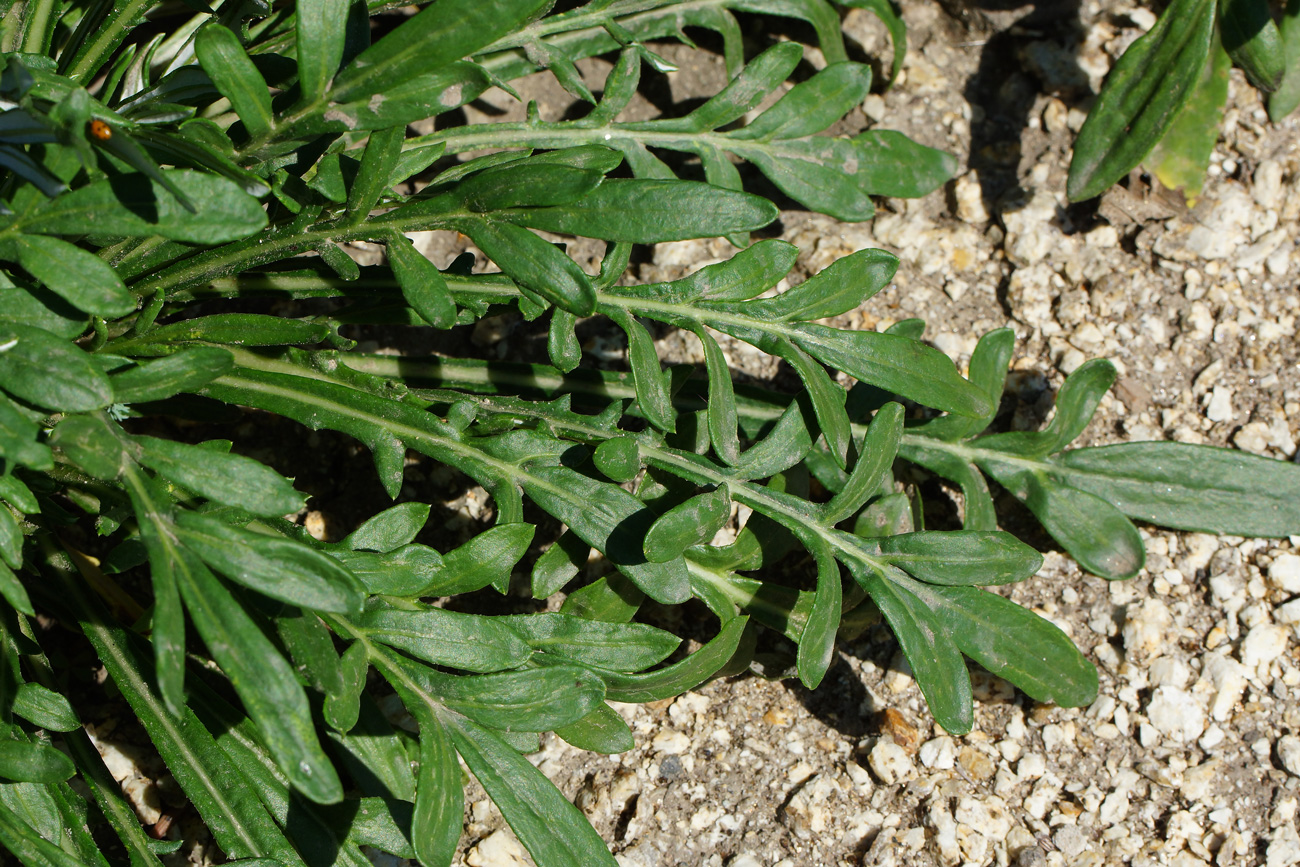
<point x="165" y="184"/>
<point x="1168" y="90"/>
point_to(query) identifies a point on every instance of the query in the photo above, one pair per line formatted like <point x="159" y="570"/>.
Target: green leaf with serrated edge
<point x="553" y="831"/>
<point x="905" y="367"/>
<point x="1182" y="157"/>
<point x="421" y="282"/>
<point x="883" y="162"/>
<point x="647" y="376"/>
<point x="612" y="599"/>
<point x="1143" y="94"/>
<point x="1091" y="530"/>
<point x="814" y="185"/>
<point x="783" y="447"/>
<point x="263" y="679"/>
<point x="562" y="345"/>
<point x="488" y="558"/>
<point x="219" y="793"/>
<point x="343" y="705"/>
<point x="876" y="456"/>
<point x="533" y="700"/>
<point x="390" y="529"/>
<point x="320" y="31"/>
<point x="417" y="99"/>
<point x="601" y="731"/>
<point x="377" y="164"/>
<point x="671" y="680"/>
<point x="224" y="59"/>
<point x="1013" y="643"/>
<point x="311" y="648"/>
<point x="469" y="642"/>
<point x="281" y="568"/>
<point x="1253" y="42"/>
<point x="80" y="277"/>
<point x="618" y="458"/>
<point x="405" y="571"/>
<point x="827" y="398"/>
<point x="936" y="661"/>
<point x="1284" y="100"/>
<point x="187" y="371"/>
<point x="988" y="372"/>
<point x="743" y="93"/>
<point x="374" y="755"/>
<point x="647" y="211"/>
<point x="1189" y="487"/>
<point x="227" y="478"/>
<point x="722" y="401"/>
<point x="978" y="503"/>
<point x="1078" y="399"/>
<point x="616" y="646"/>
<point x="435" y="38"/>
<point x="18" y="442"/>
<point x="748" y="273"/>
<point x="439" y="793"/>
<point x="92" y="442"/>
<point x="533" y="264"/>
<point x="961" y="557"/>
<point x="694" y="522"/>
<point x="838" y="288"/>
<point x="135" y="206"/>
<point x="232" y="329"/>
<point x="813" y="105"/>
<point x="612" y="521"/>
<point x="558" y="565"/>
<point x="21" y="761"/>
<point x="13" y="591"/>
<point x="620" y="86"/>
<point x="817" y="641"/>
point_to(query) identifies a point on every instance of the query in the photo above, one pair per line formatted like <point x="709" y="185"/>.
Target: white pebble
<point x="891" y="763"/>
<point x="671" y="743"/>
<point x="1288" y="751"/>
<point x="1263" y="644"/>
<point x="939" y="753"/>
<point x="1176" y="714"/>
<point x="1285" y="572"/>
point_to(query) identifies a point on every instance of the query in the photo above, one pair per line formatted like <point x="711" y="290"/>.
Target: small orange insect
<point x="101" y="130"/>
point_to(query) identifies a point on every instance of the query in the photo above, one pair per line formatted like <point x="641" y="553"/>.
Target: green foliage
<point x="1169" y="87"/>
<point x="156" y="235"/>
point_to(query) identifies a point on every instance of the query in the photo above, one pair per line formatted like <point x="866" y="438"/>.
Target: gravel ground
<point x="1190" y="754"/>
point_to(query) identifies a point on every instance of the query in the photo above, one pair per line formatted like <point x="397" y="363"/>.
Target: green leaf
<point x="879" y="446"/>
<point x="694" y="522"/>
<point x="377" y="164"/>
<point x="1284" y="100"/>
<point x="961" y="557"/>
<point x="601" y="731"/>
<point x="1142" y="95"/>
<point x="134" y="205"/>
<point x="647" y="211"/>
<point x="814" y="184"/>
<point x="526" y="183"/>
<point x="988" y="373"/>
<point x="440" y="794"/>
<point x="553" y="831"/>
<point x="838" y="288"/>
<point x="272" y="565"/>
<point x="230" y="479"/>
<point x="813" y="105"/>
<point x="534" y="264"/>
<point x="94" y="443"/>
<point x="1078" y="399"/>
<point x="11" y="539"/>
<point x="613" y="599"/>
<point x="743" y="93"/>
<point x="391" y="529"/>
<point x="616" y="646"/>
<point x="1182" y="157"/>
<point x="1253" y="42"/>
<point x="18" y="438"/>
<point x="722" y="401"/>
<point x="343" y="705"/>
<point x="817" y="642"/>
<point x="898" y="364"/>
<point x="187" y="371"/>
<point x="675" y="679"/>
<point x="885" y="11"/>
<point x="1015" y="644"/>
<point x="45" y="708"/>
<point x="936" y="662"/>
<point x="618" y="458"/>
<point x="558" y="565"/>
<point x="233" y="329"/>
<point x="488" y="558"/>
<point x="648" y="378"/>
<point x="33" y="762"/>
<point x="321" y="32"/>
<point x="421" y="282"/>
<point x="1190" y="487"/>
<point x="466" y="641"/>
<point x="13" y="591"/>
<point x="81" y="278"/>
<point x="439" y="35"/>
<point x="263" y="679"/>
<point x="234" y="74"/>
<point x="35" y="305"/>
<point x="50" y="372"/>
<point x="612" y="521"/>
<point x="562" y="340"/>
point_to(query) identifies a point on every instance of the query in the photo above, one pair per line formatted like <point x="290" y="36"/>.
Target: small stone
<point x="1070" y="840"/>
<point x="672" y="743"/>
<point x="859" y="777"/>
<point x="1284" y="848"/>
<point x="1146" y="627"/>
<point x="891" y="763"/>
<point x="1263" y="644"/>
<point x="744" y="859"/>
<point x="969" y="196"/>
<point x="903" y="732"/>
<point x="988" y="815"/>
<point x="1228" y="677"/>
<point x="500" y="849"/>
<point x="1288" y="753"/>
<point x="1199" y="782"/>
<point x="1176" y="714"/>
<point x="1031" y="767"/>
<point x="1219" y="407"/>
<point x="1284" y="572"/>
<point x="939" y="753"/>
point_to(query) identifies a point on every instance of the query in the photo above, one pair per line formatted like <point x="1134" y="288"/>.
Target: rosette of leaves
<point x="1168" y="90"/>
<point x="162" y="181"/>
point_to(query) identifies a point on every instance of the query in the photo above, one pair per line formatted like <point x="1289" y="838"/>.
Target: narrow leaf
<point x="224" y="59"/>
<point x="227" y="478"/>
